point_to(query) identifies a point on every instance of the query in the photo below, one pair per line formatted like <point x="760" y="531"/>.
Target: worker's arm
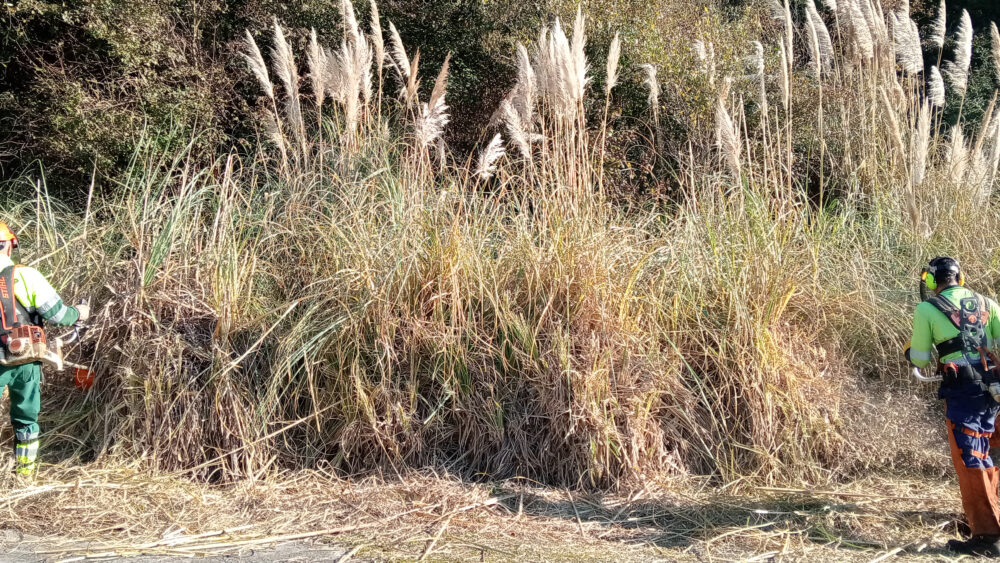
<point x="42" y="297"/>
<point x="993" y="325"/>
<point x="922" y="341"/>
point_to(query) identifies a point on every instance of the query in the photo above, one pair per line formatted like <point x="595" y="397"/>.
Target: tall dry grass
<point x="354" y="293"/>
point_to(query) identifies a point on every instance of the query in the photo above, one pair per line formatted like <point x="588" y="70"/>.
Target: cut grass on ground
<point x="118" y="512"/>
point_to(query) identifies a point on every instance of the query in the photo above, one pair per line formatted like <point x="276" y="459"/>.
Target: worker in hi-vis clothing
<point x="26" y="300"/>
<point x="964" y="326"/>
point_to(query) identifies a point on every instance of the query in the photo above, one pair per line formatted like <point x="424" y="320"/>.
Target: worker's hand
<point x="84" y="311"/>
<point x="906" y="351"/>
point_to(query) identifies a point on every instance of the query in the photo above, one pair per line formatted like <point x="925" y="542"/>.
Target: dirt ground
<point x="112" y="513"/>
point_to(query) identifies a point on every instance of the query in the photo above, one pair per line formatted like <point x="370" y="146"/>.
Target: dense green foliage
<point x="81" y="81"/>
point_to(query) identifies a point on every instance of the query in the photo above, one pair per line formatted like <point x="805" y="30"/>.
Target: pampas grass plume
<point x="399" y="58"/>
<point x="935" y="88"/>
<point x="957" y="71"/>
<point x="257" y="65"/>
<point x="488" y="158"/>
<point x="378" y="41"/>
<point x="614" y="53"/>
<point x="938" y="27"/>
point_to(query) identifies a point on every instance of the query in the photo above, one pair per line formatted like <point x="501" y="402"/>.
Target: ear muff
<point x="929" y="281"/>
<point x="961" y="278"/>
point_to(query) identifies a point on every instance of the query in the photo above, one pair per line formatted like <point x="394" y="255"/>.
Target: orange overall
<point x="978" y="478"/>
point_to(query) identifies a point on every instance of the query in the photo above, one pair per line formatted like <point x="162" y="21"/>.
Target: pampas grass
<point x="401" y="62"/>
<point x="614" y="53"/>
<point x="957" y="71"/>
<point x="379" y="309"/>
<point x="284" y="66"/>
<point x="255" y="60"/>
<point x="728" y="138"/>
<point x="906" y="43"/>
<point x="378" y="42"/>
<point x="352" y="32"/>
<point x="824" y="45"/>
<point x="935" y="88"/>
<point x="434" y="115"/>
<point x="489" y="157"/>
<point x="862" y="34"/>
<point x="995" y="49"/>
<point x="938" y="28"/>
<point x="653" y="85"/>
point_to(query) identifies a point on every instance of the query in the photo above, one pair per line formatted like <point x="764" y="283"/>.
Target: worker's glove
<point x="84" y="311"/>
<point x="906" y="352"/>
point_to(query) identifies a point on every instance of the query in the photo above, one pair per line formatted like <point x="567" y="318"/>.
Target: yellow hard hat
<point x="7" y="234"/>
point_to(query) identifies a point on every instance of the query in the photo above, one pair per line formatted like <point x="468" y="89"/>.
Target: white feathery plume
<point x="562" y="67"/>
<point x="814" y="54"/>
<point x="257" y="65"/>
<point x="916" y="52"/>
<point x="516" y="130"/>
<point x="780" y="10"/>
<point x="525" y="92"/>
<point x="958" y="71"/>
<point x="579" y="58"/>
<point x="861" y="31"/>
<point x="935" y="88"/>
<point x="876" y="21"/>
<point x="653" y="85"/>
<point x="434" y="115"/>
<point x="316" y="60"/>
<point x="333" y="77"/>
<point x="488" y="158"/>
<point x="938" y="27"/>
<point x="378" y="42"/>
<point x="614" y="53"/>
<point x="351" y="30"/>
<point x="906" y="43"/>
<point x="824" y="43"/>
<point x="921" y="144"/>
<point x="347" y="62"/>
<point x="363" y="63"/>
<point x="283" y="60"/>
<point x="995" y="48"/>
<point x="727" y="137"/>
<point x="284" y="67"/>
<point x="401" y="62"/>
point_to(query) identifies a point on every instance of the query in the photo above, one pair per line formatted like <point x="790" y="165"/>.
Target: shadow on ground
<point x="696" y="522"/>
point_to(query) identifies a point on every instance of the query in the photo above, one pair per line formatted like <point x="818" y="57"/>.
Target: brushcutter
<point x="29" y="344"/>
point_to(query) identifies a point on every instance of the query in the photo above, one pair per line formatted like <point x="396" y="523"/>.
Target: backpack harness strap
<point x="8" y="302"/>
<point x="970" y="317"/>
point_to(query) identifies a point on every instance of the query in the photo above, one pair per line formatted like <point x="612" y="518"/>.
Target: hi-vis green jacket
<point x="931" y="327"/>
<point x="36" y="294"/>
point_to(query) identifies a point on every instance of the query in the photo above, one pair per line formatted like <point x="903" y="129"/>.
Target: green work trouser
<point x="24" y="384"/>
